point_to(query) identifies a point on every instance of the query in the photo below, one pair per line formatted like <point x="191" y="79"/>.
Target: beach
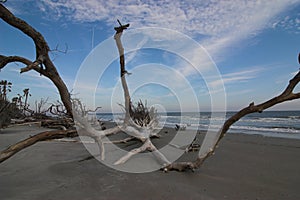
<point x="244" y="167"/>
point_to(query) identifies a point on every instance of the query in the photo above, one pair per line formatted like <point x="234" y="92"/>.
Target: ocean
<point x="284" y="124"/>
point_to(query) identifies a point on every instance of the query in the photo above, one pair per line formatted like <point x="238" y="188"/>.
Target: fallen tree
<point x="142" y="130"/>
<point x="135" y="125"/>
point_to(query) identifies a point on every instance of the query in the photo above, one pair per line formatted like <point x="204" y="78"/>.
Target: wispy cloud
<point x="289" y="23"/>
<point x="239" y="76"/>
<point x="222" y="22"/>
<point x="207" y="18"/>
<point x="132" y="54"/>
<point x="217" y="25"/>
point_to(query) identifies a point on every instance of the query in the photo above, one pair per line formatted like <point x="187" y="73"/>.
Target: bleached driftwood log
<point x="135" y="131"/>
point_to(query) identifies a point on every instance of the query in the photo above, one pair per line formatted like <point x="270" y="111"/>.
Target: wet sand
<point x="244" y="167"/>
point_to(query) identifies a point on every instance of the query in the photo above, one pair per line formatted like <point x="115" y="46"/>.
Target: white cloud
<point x="132" y="54"/>
<point x="216" y="24"/>
<point x="234" y="77"/>
<point x="220" y="24"/>
<point x="208" y="18"/>
<point x="289" y="23"/>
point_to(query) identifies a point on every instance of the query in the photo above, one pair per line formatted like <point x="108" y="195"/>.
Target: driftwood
<point x="47" y="135"/>
<point x="286" y="95"/>
<point x="61" y="123"/>
<point x="64" y="124"/>
<point x="117" y="37"/>
<point x="47" y="122"/>
<point x="144" y="132"/>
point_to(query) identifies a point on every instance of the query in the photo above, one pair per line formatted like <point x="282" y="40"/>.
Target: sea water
<point x="284" y="124"/>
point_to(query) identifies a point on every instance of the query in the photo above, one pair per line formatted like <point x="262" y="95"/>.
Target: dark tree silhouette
<point x="42" y="63"/>
<point x="5" y="87"/>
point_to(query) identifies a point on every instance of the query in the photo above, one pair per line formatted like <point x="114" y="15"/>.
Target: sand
<point x="244" y="167"/>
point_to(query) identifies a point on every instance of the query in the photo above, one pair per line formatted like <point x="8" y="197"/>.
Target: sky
<point x="184" y="55"/>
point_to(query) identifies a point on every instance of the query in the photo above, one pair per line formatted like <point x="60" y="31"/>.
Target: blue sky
<point x="253" y="44"/>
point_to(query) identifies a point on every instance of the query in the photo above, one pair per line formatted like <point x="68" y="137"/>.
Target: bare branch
<point x="286" y="95"/>
<point x="133" y="152"/>
<point x="4" y="60"/>
<point x="47" y="135"/>
<point x="60" y="51"/>
<point x="36" y="65"/>
<point x="55" y="52"/>
<point x="46" y="66"/>
<point x="120" y="141"/>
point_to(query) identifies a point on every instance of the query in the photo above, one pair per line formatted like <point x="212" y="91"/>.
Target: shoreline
<point x="244" y="167"/>
<point x="283" y="124"/>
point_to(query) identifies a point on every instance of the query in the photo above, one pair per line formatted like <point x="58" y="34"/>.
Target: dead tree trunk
<point x="42" y="63"/>
<point x="123" y="72"/>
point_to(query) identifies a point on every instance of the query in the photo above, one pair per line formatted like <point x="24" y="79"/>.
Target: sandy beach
<point x="244" y="167"/>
